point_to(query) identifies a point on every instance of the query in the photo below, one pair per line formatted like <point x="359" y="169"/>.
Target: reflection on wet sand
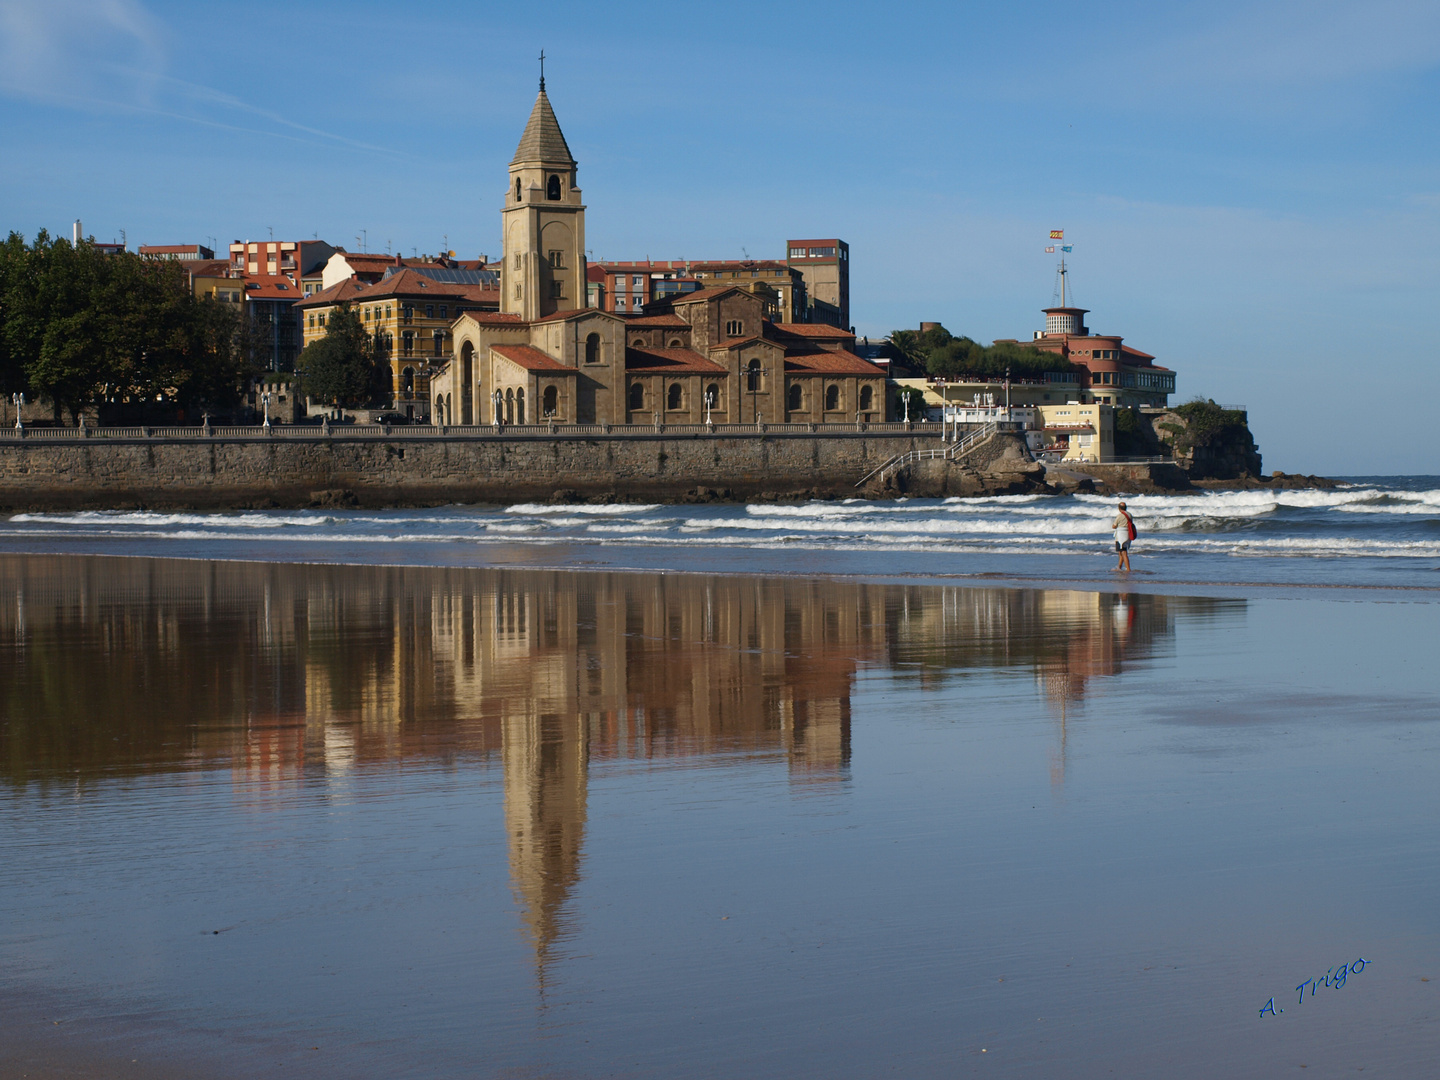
<point x="114" y="668"/>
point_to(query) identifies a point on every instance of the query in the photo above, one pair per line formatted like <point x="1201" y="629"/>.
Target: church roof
<point x="531" y="359"/>
<point x="543" y="140"/>
<point x="663" y="361"/>
<point x="827" y="362"/>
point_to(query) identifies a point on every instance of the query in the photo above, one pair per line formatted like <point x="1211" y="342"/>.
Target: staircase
<point x="948" y="453"/>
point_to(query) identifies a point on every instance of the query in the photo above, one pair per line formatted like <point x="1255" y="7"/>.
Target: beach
<point x="341" y="813"/>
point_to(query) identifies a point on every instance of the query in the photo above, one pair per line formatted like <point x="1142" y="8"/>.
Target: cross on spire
<point x="542" y="69"/>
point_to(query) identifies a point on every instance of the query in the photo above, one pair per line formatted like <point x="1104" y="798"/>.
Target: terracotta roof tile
<point x="666" y="319"/>
<point x="272" y="287"/>
<point x="531" y="359"/>
<point x="812" y="330"/>
<point x="556" y="316"/>
<point x="349" y="289"/>
<point x="704" y="294"/>
<point x="679" y="361"/>
<point x="826" y="362"/>
<point x="495" y="318"/>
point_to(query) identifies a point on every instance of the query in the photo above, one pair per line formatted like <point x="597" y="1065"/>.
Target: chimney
<point x="75" y="233"/>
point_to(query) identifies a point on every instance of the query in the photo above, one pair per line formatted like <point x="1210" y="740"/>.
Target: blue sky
<point x="1252" y="190"/>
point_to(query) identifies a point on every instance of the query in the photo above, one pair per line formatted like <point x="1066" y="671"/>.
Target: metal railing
<point x="948" y="452"/>
<point x="350" y="431"/>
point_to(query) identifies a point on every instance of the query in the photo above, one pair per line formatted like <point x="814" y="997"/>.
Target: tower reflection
<point x="118" y="667"/>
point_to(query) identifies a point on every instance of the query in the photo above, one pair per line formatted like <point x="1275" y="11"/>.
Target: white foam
<point x="541" y="509"/>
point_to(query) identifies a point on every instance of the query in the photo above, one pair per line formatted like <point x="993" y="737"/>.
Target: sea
<point x="922" y="788"/>
<point x="1369" y="532"/>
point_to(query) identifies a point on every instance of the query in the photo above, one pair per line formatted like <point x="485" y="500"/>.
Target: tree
<point x="340" y="366"/>
<point x="80" y="327"/>
<point x="943" y="355"/>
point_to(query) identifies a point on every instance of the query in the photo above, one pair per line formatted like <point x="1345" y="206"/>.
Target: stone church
<point x="545" y="357"/>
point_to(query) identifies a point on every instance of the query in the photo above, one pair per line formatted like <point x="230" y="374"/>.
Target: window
<point x="675" y="343"/>
<point x="795" y="397"/>
<point x="712" y="395"/>
<point x="619" y="303"/>
<point x="734" y="328"/>
<point x="752" y="376"/>
<point x="592" y="349"/>
<point x="429" y="311"/>
<point x="637" y="395"/>
<point x="519" y="406"/>
<point x="365" y="314"/>
<point x="517" y="189"/>
<point x="517" y="290"/>
<point x="832" y="397"/>
<point x="439" y="338"/>
<point x="407" y="343"/>
<point x="557" y="289"/>
<point x="797" y="253"/>
<point x="822" y="253"/>
<point x="552" y="189"/>
<point x="322" y="318"/>
<point x="387" y="311"/>
<point x="672" y="399"/>
<point x="867" y="398"/>
<point x="444" y="311"/>
<point x="312" y="320"/>
<point x="407" y="382"/>
<point x="638" y="279"/>
<point x="407" y="313"/>
<point x="550" y="401"/>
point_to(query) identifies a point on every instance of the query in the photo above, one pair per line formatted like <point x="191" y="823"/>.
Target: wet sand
<point x="538" y="823"/>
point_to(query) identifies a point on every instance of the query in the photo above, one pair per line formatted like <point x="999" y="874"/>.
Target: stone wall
<point x="217" y="472"/>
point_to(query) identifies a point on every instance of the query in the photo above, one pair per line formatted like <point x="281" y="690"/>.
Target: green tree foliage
<point x="943" y="355"/>
<point x="1204" y="421"/>
<point x="81" y="327"/>
<point x="341" y="366"/>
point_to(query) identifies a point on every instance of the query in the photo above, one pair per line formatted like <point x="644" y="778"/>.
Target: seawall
<point x="369" y="467"/>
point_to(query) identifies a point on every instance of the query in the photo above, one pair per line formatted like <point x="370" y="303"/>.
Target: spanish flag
<point x="1057" y="234"/>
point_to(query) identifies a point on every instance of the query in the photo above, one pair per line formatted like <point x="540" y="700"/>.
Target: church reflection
<point x="117" y="667"/>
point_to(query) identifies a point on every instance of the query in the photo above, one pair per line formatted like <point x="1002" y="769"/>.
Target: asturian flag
<point x="1067" y="247"/>
<point x="1057" y="234"/>
<point x="1050" y="250"/>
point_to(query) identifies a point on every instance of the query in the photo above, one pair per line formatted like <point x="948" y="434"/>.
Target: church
<point x="706" y="356"/>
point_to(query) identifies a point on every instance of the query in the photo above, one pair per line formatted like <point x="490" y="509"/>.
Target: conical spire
<point x="543" y="140"/>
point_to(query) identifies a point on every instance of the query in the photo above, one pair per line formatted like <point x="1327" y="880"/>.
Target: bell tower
<point x="543" y="221"/>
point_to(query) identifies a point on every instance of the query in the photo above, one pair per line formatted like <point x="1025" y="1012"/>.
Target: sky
<point x="1252" y="190"/>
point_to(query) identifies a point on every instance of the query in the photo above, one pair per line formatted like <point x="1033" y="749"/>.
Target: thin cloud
<point x="110" y="55"/>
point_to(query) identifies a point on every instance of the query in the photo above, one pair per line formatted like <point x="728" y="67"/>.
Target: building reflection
<point x="115" y="667"/>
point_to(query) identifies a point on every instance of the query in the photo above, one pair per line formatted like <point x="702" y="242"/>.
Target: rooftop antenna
<point x="542" y="71"/>
<point x="272" y="231"/>
<point x="387" y="252"/>
<point x="124" y="240"/>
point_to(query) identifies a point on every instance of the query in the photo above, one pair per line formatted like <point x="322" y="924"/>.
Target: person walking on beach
<point x="1124" y="526"/>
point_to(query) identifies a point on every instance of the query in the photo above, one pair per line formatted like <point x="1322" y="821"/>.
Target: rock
<point x="565" y="496"/>
<point x="333" y="498"/>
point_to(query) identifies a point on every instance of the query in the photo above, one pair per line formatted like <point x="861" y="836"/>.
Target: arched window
<point x="752" y="376"/>
<point x="592" y="349"/>
<point x="675" y="343"/>
<point x="439" y="408"/>
<point x="795" y="398"/>
<point x="407" y="382"/>
<point x="449" y="410"/>
<point x="517" y="189"/>
<point x="552" y="189"/>
<point x="520" y="406"/>
<point x="637" y="395"/>
<point x="550" y="401"/>
<point x="510" y="406"/>
<point x="712" y="394"/>
<point x="672" y="399"/>
<point x="867" y="398"/>
<point x="832" y="397"/>
<point x="734" y="328"/>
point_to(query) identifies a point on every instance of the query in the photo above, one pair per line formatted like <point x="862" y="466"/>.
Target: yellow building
<point x="410" y="315"/>
<point x="1075" y="432"/>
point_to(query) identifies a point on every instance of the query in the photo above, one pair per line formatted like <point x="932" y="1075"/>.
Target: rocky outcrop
<point x="1208" y="442"/>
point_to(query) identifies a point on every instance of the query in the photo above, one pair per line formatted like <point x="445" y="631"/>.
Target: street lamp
<point x="499" y="400"/>
<point x="19" y="400"/>
<point x="709" y="401"/>
<point x="905" y="399"/>
<point x="265" y="404"/>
